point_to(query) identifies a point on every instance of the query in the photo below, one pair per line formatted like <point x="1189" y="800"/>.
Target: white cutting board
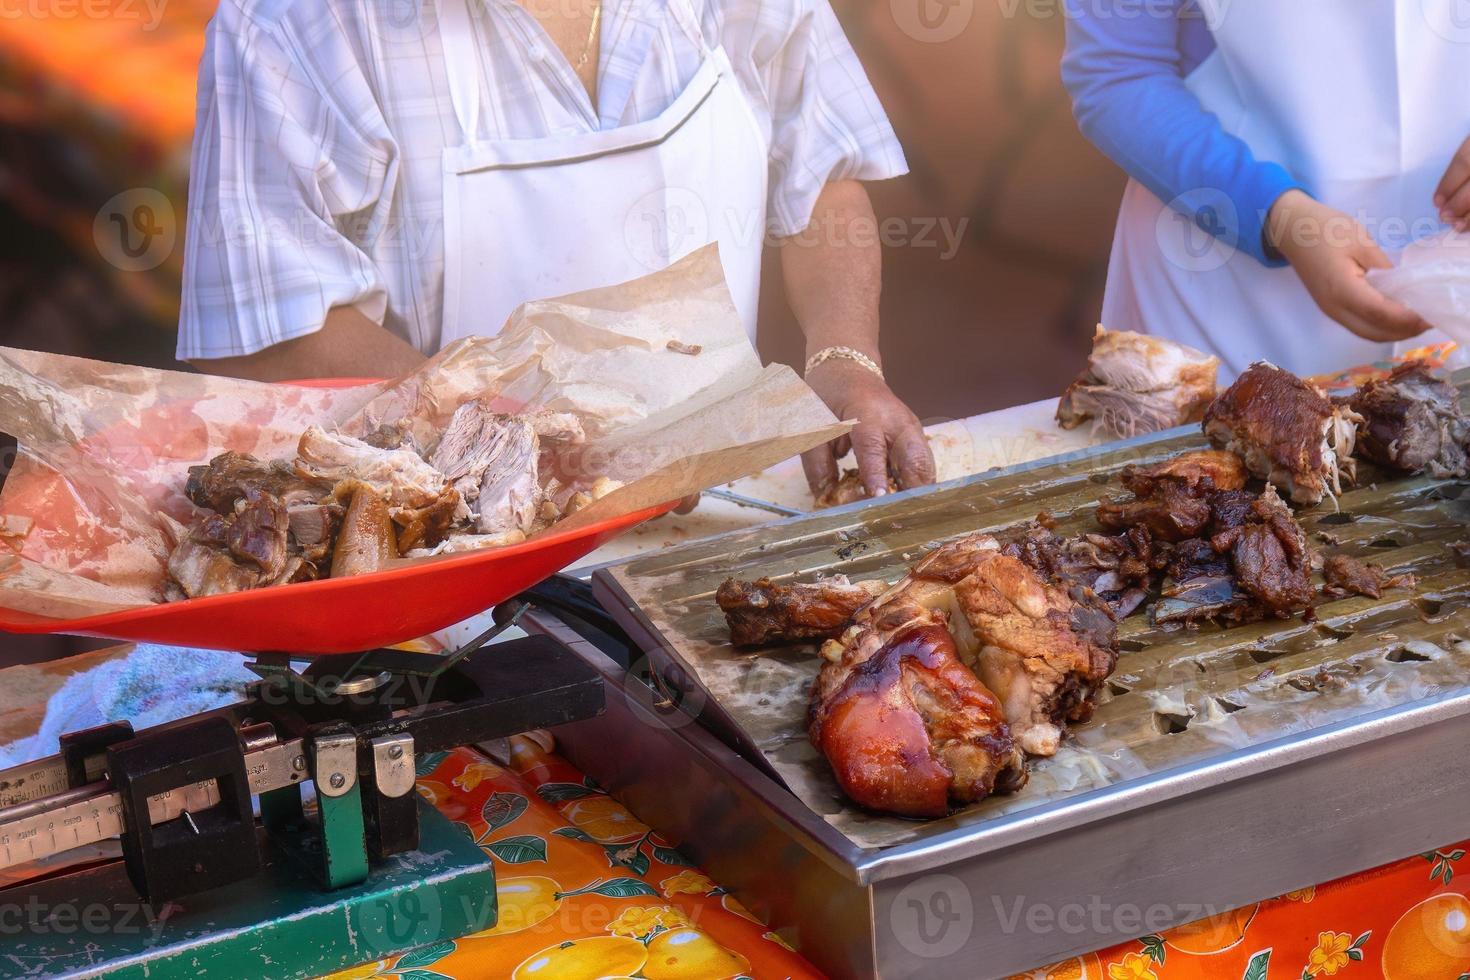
<point x="961" y="448"/>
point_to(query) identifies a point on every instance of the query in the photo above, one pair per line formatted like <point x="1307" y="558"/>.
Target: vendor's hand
<point x="888" y="436"/>
<point x="1452" y="196"/>
<point x="1332" y="254"/>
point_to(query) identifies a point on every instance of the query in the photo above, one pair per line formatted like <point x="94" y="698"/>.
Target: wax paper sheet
<point x="660" y="371"/>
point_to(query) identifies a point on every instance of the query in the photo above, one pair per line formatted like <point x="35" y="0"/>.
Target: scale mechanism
<point x="180" y="800"/>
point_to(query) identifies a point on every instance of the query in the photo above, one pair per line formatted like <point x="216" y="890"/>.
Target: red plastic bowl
<point x="348" y="614"/>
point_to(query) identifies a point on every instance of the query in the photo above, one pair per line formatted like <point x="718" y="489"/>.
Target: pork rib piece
<point x="1135" y="384"/>
<point x="765" y="613"/>
<point x="905" y="725"/>
<point x="1286" y="431"/>
<point x="1412" y="421"/>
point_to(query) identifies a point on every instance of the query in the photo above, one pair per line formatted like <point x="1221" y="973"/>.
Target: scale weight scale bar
<point x="368" y="871"/>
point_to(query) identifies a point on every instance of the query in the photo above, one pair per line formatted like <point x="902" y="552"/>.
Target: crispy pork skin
<point x="1043" y="654"/>
<point x="1345" y="575"/>
<point x="1286" y="431"/>
<point x="1412" y="421"/>
<point x="1270" y="556"/>
<point x="367" y="541"/>
<point x="907" y="727"/>
<point x="1134" y="384"/>
<point x="765" y="613"/>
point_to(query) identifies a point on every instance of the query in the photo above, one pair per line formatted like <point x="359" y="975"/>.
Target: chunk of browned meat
<point x="226" y="479"/>
<point x="766" y="613"/>
<point x="1172" y="498"/>
<point x="907" y="727"/>
<point x="1043" y="654"/>
<point x="1111" y="571"/>
<point x="1286" y="430"/>
<point x="1172" y="513"/>
<point x="846" y="490"/>
<point x="257" y="532"/>
<point x="1270" y="557"/>
<point x="1345" y="575"/>
<point x="1135" y="383"/>
<point x="1412" y="421"/>
<point x="1198" y="469"/>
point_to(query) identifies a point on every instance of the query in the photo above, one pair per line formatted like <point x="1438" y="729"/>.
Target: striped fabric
<point x="316" y="178"/>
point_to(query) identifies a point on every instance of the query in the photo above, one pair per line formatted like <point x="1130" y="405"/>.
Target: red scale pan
<point x="347" y="614"/>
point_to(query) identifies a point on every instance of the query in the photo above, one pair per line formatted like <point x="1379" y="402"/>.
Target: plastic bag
<point x="1432" y="278"/>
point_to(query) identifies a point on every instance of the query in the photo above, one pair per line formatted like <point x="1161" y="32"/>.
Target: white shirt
<point x="316" y="178"/>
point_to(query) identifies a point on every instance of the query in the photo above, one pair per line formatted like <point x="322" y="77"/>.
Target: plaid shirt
<point x="316" y="178"/>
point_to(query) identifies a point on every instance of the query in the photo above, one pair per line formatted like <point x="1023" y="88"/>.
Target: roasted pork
<point x="765" y="613"/>
<point x="1412" y="421"/>
<point x="1135" y="384"/>
<point x="905" y="725"/>
<point x="1286" y="431"/>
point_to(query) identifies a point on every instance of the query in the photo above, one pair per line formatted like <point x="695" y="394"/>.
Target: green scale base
<point x="279" y="924"/>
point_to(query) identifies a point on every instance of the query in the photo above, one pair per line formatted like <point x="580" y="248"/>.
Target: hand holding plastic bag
<point x="1432" y="278"/>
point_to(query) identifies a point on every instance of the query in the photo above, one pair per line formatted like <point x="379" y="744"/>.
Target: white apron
<point x="530" y="219"/>
<point x="1364" y="102"/>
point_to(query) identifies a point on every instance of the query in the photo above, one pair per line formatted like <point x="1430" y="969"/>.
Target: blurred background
<point x="991" y="300"/>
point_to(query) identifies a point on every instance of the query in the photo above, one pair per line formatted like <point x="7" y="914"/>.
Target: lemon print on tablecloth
<point x="523" y="903"/>
<point x="1430" y="940"/>
<point x="1087" y="967"/>
<point x="1212" y="934"/>
<point x="686" y="882"/>
<point x="688" y="954"/>
<point x="604" y="820"/>
<point x="596" y="958"/>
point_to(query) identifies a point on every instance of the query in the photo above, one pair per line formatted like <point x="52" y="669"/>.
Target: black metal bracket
<point x="78" y="747"/>
<point x="199" y="850"/>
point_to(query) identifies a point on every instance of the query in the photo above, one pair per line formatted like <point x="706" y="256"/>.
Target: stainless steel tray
<point x="1345" y="750"/>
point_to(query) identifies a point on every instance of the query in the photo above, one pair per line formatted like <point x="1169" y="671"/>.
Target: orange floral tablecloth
<point x="1409" y="920"/>
<point x="586" y="891"/>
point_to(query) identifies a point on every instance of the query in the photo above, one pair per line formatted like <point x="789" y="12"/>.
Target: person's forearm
<point x="833" y="271"/>
<point x="1122" y="70"/>
<point x="348" y="345"/>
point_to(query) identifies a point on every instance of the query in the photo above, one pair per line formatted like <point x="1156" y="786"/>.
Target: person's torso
<point x="392" y="55"/>
<point x="1363" y="101"/>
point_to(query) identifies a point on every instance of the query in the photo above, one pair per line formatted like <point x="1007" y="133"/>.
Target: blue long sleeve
<point x="1124" y="67"/>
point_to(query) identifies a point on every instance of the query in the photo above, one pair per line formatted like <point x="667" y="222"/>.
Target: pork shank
<point x="905" y="725"/>
<point x="1286" y="430"/>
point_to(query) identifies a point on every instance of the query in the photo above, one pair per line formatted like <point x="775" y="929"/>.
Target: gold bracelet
<point x="846" y="354"/>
